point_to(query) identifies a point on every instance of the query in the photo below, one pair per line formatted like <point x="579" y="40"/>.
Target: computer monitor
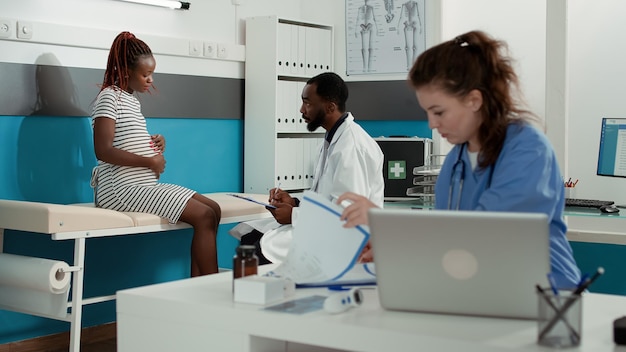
<point x="612" y="154"/>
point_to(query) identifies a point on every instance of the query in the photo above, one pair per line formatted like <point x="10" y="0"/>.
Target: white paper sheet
<point x="321" y="249"/>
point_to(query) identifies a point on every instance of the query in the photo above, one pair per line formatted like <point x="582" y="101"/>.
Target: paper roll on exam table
<point x="36" y="285"/>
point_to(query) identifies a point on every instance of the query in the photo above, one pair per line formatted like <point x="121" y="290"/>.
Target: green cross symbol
<point x="396" y="170"/>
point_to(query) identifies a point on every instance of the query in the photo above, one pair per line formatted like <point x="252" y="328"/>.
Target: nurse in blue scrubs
<point x="501" y="160"/>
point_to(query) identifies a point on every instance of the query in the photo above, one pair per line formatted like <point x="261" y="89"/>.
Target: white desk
<point x="199" y="315"/>
<point x="590" y="225"/>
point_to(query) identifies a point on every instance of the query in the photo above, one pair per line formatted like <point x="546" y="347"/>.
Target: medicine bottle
<point x="245" y="262"/>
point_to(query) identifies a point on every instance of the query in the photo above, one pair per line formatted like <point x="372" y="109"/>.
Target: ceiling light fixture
<point x="172" y="4"/>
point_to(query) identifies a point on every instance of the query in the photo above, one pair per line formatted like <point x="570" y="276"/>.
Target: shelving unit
<point x="281" y="55"/>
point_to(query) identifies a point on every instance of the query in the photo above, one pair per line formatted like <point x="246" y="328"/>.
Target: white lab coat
<point x="353" y="163"/>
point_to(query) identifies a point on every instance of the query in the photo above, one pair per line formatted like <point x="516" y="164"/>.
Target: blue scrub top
<point x="525" y="178"/>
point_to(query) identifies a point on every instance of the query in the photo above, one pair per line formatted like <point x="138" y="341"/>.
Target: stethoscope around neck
<point x="459" y="169"/>
<point x="459" y="165"/>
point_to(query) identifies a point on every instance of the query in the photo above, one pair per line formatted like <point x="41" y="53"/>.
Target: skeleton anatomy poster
<point x="383" y="36"/>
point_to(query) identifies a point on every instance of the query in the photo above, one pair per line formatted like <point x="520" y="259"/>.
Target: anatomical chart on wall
<point x="383" y="36"/>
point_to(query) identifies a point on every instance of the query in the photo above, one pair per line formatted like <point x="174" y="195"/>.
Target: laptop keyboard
<point x="586" y="203"/>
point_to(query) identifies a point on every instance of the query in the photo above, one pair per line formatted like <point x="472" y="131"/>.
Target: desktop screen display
<point x="612" y="155"/>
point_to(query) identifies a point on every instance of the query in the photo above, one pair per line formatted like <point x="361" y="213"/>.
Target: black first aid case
<point x="402" y="155"/>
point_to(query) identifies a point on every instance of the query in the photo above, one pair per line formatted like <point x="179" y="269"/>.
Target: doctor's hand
<point x="282" y="213"/>
<point x="356" y="213"/>
<point x="277" y="196"/>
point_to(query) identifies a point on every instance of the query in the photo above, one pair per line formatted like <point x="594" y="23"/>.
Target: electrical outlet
<point x="24" y="30"/>
<point x="222" y="52"/>
<point x="6" y="27"/>
<point x="195" y="48"/>
<point x="210" y="49"/>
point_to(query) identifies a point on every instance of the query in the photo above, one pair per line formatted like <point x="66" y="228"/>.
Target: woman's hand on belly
<point x="157" y="164"/>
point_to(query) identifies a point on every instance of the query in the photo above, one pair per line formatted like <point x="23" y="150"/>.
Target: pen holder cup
<point x="560" y="319"/>
<point x="570" y="192"/>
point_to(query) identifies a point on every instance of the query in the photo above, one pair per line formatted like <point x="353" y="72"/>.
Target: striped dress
<point x="130" y="188"/>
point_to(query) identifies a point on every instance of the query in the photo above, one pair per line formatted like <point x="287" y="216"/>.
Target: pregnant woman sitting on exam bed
<point x="500" y="160"/>
<point x="350" y="160"/>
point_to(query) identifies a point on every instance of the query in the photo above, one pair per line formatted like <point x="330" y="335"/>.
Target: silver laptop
<point x="460" y="262"/>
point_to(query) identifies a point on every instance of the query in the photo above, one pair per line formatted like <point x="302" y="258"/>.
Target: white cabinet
<point x="281" y="55"/>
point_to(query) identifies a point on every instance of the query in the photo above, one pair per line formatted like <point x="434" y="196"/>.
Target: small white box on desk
<point x="259" y="289"/>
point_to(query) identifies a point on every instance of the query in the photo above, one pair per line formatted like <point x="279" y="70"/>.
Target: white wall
<point x="521" y="23"/>
<point x="83" y="40"/>
<point x="596" y="71"/>
<point x="556" y="77"/>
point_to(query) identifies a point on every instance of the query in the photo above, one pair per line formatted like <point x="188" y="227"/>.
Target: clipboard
<point x="267" y="205"/>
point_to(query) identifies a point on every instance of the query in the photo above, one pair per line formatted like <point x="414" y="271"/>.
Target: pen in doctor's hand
<point x="275" y="192"/>
<point x="275" y="195"/>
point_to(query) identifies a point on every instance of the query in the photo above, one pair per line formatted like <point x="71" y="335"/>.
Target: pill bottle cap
<point x="245" y="250"/>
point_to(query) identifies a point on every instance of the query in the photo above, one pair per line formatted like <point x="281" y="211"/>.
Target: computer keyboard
<point x="587" y="203"/>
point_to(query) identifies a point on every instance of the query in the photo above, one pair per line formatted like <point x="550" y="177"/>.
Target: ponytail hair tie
<point x="460" y="41"/>
<point x="129" y="35"/>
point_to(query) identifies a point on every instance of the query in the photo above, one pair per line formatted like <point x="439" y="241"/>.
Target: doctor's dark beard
<point x="316" y="122"/>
